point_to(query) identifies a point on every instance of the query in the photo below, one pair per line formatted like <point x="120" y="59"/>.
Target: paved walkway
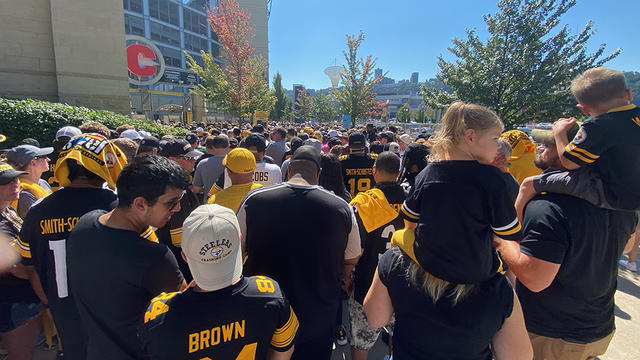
<point x="625" y="345"/>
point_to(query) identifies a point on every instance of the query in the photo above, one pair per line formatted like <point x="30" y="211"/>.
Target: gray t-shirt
<point x="207" y="172"/>
<point x="276" y="150"/>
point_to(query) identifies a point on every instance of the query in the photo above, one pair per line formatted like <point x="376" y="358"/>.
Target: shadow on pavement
<point x="621" y="314"/>
<point x="627" y="285"/>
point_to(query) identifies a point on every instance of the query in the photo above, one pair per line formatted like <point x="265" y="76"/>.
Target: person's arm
<point x="533" y="273"/>
<point x="377" y="303"/>
<point x="352" y="252"/>
<point x="560" y="129"/>
<point x="276" y="355"/>
<point x="512" y="340"/>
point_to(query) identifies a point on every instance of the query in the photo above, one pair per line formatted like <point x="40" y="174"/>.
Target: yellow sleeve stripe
<point x="176" y="239"/>
<point x="408" y="214"/>
<point x="176" y="231"/>
<point x="512" y="231"/>
<point x="15" y="244"/>
<point x="283" y="336"/>
<point x="578" y="155"/>
<point x="150" y="235"/>
<point x="22" y="244"/>
<point x="573" y="147"/>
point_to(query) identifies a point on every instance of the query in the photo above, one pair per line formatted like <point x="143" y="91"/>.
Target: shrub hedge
<point x="40" y="120"/>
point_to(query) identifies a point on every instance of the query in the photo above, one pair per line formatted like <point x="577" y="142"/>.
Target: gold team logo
<point x="580" y="137"/>
<point x="110" y="159"/>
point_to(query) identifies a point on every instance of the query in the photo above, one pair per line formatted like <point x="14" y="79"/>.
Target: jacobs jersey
<point x="357" y="172"/>
<point x="42" y="243"/>
<point x="377" y="239"/>
<point x="241" y="321"/>
<point x="265" y="174"/>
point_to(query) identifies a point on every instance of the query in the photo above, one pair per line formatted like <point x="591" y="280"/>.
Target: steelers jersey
<point x="241" y="321"/>
<point x="357" y="172"/>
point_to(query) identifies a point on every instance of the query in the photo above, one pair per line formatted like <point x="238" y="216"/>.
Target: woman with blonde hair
<point x="442" y="280"/>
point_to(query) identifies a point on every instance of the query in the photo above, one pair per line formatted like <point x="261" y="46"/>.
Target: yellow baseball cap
<point x="520" y="143"/>
<point x="240" y="160"/>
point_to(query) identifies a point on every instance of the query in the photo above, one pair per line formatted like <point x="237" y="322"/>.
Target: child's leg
<point x="584" y="183"/>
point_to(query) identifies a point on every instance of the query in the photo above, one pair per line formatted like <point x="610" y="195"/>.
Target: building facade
<point x="74" y="51"/>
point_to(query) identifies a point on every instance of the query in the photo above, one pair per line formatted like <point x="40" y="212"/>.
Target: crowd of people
<point x="245" y="242"/>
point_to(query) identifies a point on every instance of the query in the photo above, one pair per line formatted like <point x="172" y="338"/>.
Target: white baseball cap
<point x="68" y="131"/>
<point x="333" y="133"/>
<point x="405" y="138"/>
<point x="131" y="134"/>
<point x="211" y="244"/>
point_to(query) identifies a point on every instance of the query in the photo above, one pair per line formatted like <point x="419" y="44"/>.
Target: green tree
<point x="524" y="69"/>
<point x="404" y="113"/>
<point x="356" y="95"/>
<point x="302" y="109"/>
<point x="323" y="108"/>
<point x="287" y="110"/>
<point x="633" y="81"/>
<point x="278" y="91"/>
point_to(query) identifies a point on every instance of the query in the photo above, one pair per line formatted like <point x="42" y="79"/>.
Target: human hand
<point x="562" y="126"/>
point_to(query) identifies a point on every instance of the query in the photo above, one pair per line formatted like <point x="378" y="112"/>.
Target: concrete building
<point x="414" y="78"/>
<point x="74" y="51"/>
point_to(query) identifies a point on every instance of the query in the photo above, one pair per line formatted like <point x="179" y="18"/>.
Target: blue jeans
<point x="12" y="316"/>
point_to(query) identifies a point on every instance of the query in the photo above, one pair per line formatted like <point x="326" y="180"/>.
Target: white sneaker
<point x="629" y="265"/>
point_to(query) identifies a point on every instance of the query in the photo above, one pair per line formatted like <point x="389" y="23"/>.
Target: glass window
<point x="133" y="5"/>
<point x="195" y="22"/>
<point x="164" y="10"/>
<point x="195" y="43"/>
<point x="165" y="34"/>
<point x="133" y="25"/>
<point x="215" y="50"/>
<point x="172" y="57"/>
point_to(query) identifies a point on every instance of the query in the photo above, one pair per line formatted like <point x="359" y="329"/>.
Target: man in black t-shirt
<point x="254" y="317"/>
<point x="357" y="167"/>
<point x="566" y="267"/>
<point x="377" y="215"/>
<point x="178" y="151"/>
<point x="305" y="238"/>
<point x="113" y="271"/>
<point x="47" y="226"/>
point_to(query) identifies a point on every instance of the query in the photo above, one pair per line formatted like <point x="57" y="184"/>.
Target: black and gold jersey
<point x="357" y="172"/>
<point x="241" y="321"/>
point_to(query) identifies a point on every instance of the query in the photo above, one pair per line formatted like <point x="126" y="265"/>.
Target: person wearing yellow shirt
<point x="34" y="162"/>
<point x="240" y="165"/>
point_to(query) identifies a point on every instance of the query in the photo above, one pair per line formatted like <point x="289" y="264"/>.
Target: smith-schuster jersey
<point x="357" y="172"/>
<point x="238" y="322"/>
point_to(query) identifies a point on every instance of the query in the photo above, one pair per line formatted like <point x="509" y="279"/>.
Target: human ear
<point x="469" y="136"/>
<point x="585" y="109"/>
<point x="139" y="203"/>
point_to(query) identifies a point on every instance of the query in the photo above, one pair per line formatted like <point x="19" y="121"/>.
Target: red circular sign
<point x="144" y="61"/>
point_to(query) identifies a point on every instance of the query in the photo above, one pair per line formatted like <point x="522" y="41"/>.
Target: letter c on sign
<point x="141" y="60"/>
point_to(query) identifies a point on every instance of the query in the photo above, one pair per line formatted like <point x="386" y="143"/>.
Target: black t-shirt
<point x="45" y="232"/>
<point x="376" y="242"/>
<point x="357" y="172"/>
<point x="297" y="235"/>
<point x="171" y="233"/>
<point x="610" y="142"/>
<point x="459" y="207"/>
<point x="587" y="241"/>
<point x="513" y="188"/>
<point x="113" y="274"/>
<point x="48" y="175"/>
<point x="246" y="318"/>
<point x="424" y="330"/>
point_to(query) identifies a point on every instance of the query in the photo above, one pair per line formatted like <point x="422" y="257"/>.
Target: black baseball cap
<point x="149" y="142"/>
<point x="356" y="139"/>
<point x="258" y="128"/>
<point x="307" y="153"/>
<point x="191" y="138"/>
<point x="8" y="173"/>
<point x="179" y="147"/>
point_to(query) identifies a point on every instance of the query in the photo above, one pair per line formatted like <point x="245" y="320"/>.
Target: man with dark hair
<point x="357" y="167"/>
<point x="371" y="132"/>
<point x="149" y="145"/>
<point x="309" y="267"/>
<point x="193" y="140"/>
<point x="210" y="169"/>
<point x="277" y="147"/>
<point x="82" y="173"/>
<point x="377" y="215"/>
<point x="170" y="234"/>
<point x="569" y="311"/>
<point x="113" y="271"/>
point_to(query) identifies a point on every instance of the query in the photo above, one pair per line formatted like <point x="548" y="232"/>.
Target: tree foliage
<point x="277" y="112"/>
<point x="356" y="95"/>
<point x="302" y="110"/>
<point x="524" y="69"/>
<point x="633" y="81"/>
<point x="323" y="109"/>
<point x="404" y="113"/>
<point x="241" y="86"/>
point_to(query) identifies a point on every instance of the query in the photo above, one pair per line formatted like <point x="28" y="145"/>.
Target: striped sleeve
<point x="23" y="248"/>
<point x="283" y="336"/>
<point x="150" y="235"/>
<point x="513" y="229"/>
<point x="587" y="145"/>
<point x="176" y="236"/>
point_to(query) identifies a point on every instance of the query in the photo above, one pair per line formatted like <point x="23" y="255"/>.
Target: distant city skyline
<point x="407" y="36"/>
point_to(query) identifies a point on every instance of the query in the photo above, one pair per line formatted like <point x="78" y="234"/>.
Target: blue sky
<point x="306" y="36"/>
